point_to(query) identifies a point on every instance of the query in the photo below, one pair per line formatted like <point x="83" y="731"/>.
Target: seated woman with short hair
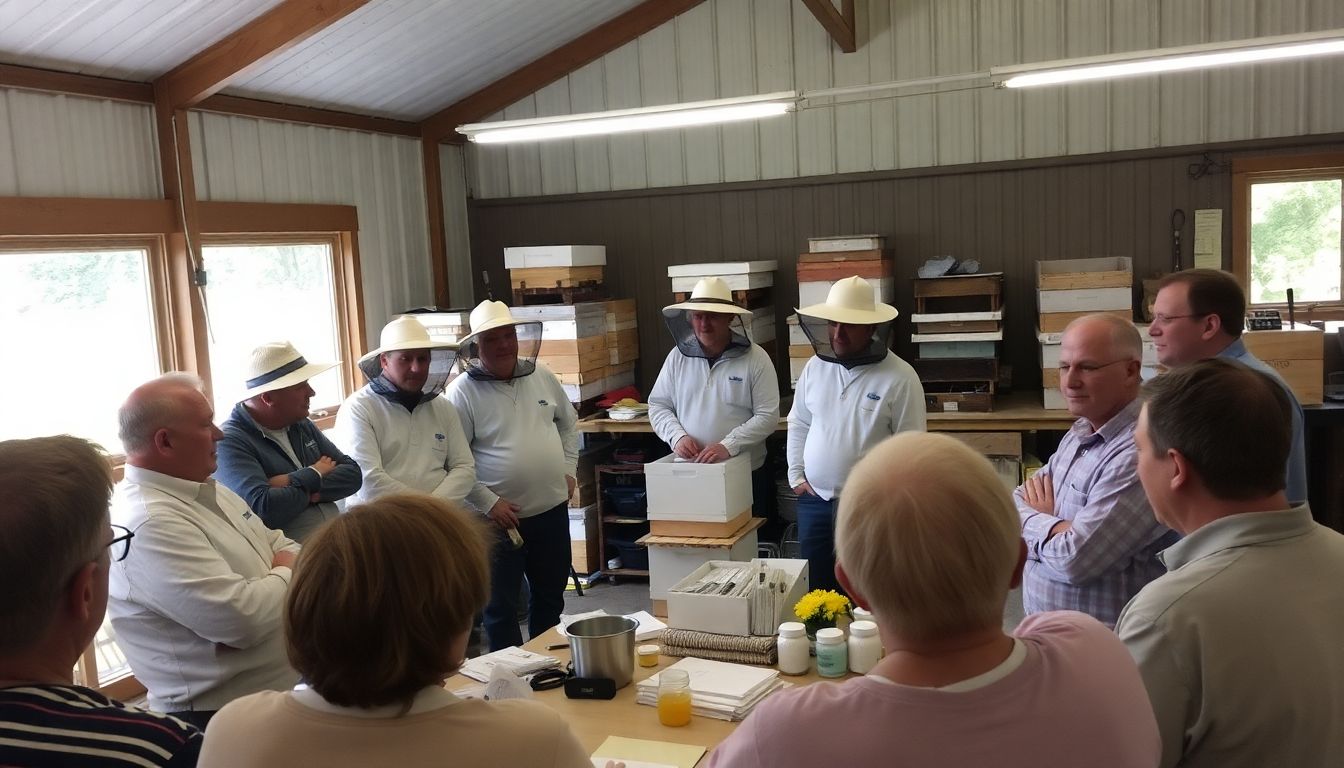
<point x="928" y="539"/>
<point x="377" y="617"/>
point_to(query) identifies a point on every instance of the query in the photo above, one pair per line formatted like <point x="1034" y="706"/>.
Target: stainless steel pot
<point x="604" y="646"/>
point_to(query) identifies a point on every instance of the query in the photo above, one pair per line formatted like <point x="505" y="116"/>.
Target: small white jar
<point x="865" y="647"/>
<point x="795" y="655"/>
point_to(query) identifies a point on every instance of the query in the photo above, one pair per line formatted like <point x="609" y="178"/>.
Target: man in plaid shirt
<point x="1092" y="540"/>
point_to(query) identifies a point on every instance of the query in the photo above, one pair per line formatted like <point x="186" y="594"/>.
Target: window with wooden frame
<point x="84" y="291"/>
<point x="1287" y="232"/>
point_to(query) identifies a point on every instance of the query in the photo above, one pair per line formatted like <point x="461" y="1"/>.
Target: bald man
<point x="1092" y="541"/>
<point x="196" y="604"/>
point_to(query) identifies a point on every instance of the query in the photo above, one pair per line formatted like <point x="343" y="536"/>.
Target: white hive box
<point x="532" y="256"/>
<point x="669" y="563"/>
<point x="814" y="291"/>
<point x="763" y="325"/>
<point x="449" y="325"/>
<point x="736" y="282"/>
<point x="690" y="492"/>
<point x="720" y="269"/>
<point x="566" y="321"/>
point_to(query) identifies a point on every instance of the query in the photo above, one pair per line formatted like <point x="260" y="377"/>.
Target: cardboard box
<point x="583" y="524"/>
<point x="732" y="615"/>
<point x="708" y="493"/>
<point x="529" y="256"/>
<point x="669" y="563"/>
<point x="1068" y="274"/>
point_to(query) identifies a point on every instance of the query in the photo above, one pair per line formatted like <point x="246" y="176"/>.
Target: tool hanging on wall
<point x="1177" y="223"/>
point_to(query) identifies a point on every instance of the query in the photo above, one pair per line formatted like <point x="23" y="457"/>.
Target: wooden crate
<point x="583" y="363"/>
<point x="835" y="257"/>
<point x="1055" y="322"/>
<point x="845" y="243"/>
<point x="588" y="345"/>
<point x="941" y="350"/>
<point x="992" y="443"/>
<point x="975" y="373"/>
<point x="590" y="376"/>
<point x="577" y="295"/>
<point x="801" y="350"/>
<point x="829" y="270"/>
<point x="1297" y="355"/>
<point x="959" y="293"/>
<point x="1084" y="300"/>
<point x="555" y="277"/>
<point x="959" y="326"/>
<point x="1069" y="274"/>
<point x="1050" y="378"/>
<point x="951" y="402"/>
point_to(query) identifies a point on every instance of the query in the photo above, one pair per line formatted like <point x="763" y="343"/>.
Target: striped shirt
<point x="1110" y="551"/>
<point x="66" y="725"/>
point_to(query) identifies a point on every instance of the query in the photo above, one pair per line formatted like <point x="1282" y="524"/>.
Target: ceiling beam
<point x="839" y="22"/>
<point x="34" y="79"/>
<point x="584" y="49"/>
<point x="275" y="31"/>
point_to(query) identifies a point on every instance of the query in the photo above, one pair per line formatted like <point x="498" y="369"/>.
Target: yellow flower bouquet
<point x="821" y="608"/>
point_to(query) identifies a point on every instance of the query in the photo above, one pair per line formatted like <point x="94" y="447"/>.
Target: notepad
<point x="637" y="753"/>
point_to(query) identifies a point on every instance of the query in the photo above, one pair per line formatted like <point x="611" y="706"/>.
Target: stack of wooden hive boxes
<point x="697" y="513"/>
<point x="752" y="284"/>
<point x="827" y="261"/>
<point x="958" y="327"/>
<point x="1297" y="354"/>
<point x="1068" y="289"/>
<point x="588" y="342"/>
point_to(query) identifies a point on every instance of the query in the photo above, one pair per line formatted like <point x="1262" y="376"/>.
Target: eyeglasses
<point x="1089" y="368"/>
<point x="1161" y="319"/>
<point x="120" y="545"/>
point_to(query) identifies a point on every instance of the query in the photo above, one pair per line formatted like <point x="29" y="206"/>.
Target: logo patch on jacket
<point x="247" y="514"/>
<point x="439" y="436"/>
<point x="874" y="396"/>
<point x="542" y="402"/>
<point x="734" y="378"/>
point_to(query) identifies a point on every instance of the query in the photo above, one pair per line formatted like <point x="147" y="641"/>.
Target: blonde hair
<point x="928" y="533"/>
<point x="379" y="593"/>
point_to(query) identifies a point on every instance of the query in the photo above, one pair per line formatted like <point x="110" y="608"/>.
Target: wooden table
<point x="1017" y="412"/>
<point x="594" y="720"/>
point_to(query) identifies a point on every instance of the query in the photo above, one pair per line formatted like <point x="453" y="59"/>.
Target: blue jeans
<point x="816" y="537"/>
<point x="544" y="560"/>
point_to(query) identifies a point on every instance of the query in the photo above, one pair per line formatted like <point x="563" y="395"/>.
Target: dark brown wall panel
<point x="1007" y="216"/>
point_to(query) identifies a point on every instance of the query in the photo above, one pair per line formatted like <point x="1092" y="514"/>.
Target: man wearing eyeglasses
<point x="54" y="562"/>
<point x="1092" y="540"/>
<point x="197" y="605"/>
<point x="1199" y="314"/>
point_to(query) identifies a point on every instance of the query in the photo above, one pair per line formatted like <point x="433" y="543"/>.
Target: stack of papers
<point x="719" y="689"/>
<point x="650" y="627"/>
<point x="513" y="658"/>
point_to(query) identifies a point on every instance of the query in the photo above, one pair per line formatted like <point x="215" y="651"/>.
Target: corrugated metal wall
<point x="70" y="146"/>
<point x="247" y="159"/>
<point x="1007" y="219"/>
<point x="736" y="47"/>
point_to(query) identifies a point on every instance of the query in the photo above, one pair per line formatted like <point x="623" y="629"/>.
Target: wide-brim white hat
<point x="851" y="301"/>
<point x="276" y="365"/>
<point x="487" y="316"/>
<point x="404" y="332"/>
<point x="710" y="294"/>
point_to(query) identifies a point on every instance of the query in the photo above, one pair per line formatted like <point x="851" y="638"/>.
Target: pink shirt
<point x="1076" y="699"/>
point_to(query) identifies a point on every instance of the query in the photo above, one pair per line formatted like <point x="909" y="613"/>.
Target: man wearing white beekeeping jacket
<point x="403" y="435"/>
<point x="521" y="429"/>
<point x="852" y="395"/>
<point x="717" y="395"/>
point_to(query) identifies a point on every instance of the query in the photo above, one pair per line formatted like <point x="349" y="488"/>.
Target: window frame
<point x="1247" y="171"/>
<point x="36" y="224"/>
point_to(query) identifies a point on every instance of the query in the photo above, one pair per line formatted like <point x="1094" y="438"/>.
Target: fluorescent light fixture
<point x="1178" y="59"/>
<point x="627" y="120"/>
